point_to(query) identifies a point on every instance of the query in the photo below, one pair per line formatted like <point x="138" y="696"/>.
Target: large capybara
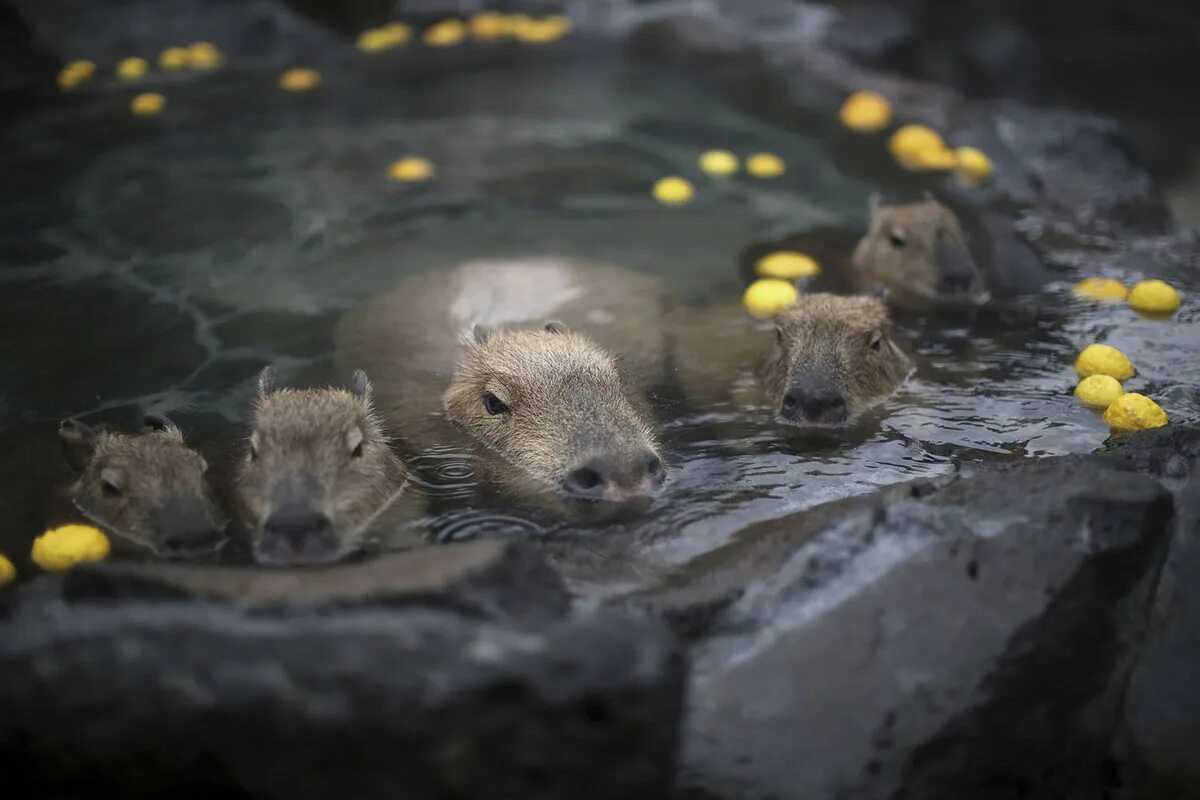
<point x="318" y="470"/>
<point x="560" y="401"/>
<point x="822" y="361"/>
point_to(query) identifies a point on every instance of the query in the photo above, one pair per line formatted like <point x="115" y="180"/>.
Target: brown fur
<point x="570" y="402"/>
<point x="725" y="357"/>
<point x="844" y="343"/>
<point x="313" y="435"/>
<point x="918" y="252"/>
<point x="147" y="488"/>
<point x="566" y="403"/>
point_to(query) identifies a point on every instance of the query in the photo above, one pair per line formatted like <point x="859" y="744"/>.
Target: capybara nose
<point x="957" y="273"/>
<point x="299" y="537"/>
<point x="193" y="541"/>
<point x="956" y="284"/>
<point x="814" y="406"/>
<point x="616" y="479"/>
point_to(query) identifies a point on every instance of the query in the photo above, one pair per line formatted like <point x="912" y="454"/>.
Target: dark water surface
<point x="157" y="264"/>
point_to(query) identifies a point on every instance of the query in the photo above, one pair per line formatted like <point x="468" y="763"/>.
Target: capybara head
<point x="918" y="251"/>
<point x="147" y="488"/>
<point x="833" y="356"/>
<point x="317" y="471"/>
<point x="553" y="404"/>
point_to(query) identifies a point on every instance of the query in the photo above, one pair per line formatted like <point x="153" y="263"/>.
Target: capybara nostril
<point x="617" y="478"/>
<point x="193" y="541"/>
<point x="301" y="532"/>
<point x="588" y="481"/>
<point x="824" y="407"/>
<point x="820" y="405"/>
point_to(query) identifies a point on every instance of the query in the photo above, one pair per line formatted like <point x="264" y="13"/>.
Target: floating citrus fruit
<point x="865" y="112"/>
<point x="765" y="165"/>
<point x="718" y="162"/>
<point x="973" y="168"/>
<point x="767" y="297"/>
<point x="1154" y="297"/>
<point x="673" y="191"/>
<point x="919" y="147"/>
<point x="1103" y="289"/>
<point x="1134" y="412"/>
<point x="787" y="265"/>
<point x="132" y="69"/>
<point x="446" y="33"/>
<point x="411" y="169"/>
<point x="299" y="79"/>
<point x="1098" y="391"/>
<point x="147" y="104"/>
<point x="1101" y="359"/>
<point x="173" y="58"/>
<point x="204" y="55"/>
<point x="59" y="549"/>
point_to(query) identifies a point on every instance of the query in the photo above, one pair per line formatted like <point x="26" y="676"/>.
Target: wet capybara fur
<point x="818" y="363"/>
<point x="317" y="471"/>
<point x="561" y="401"/>
<point x="146" y="489"/>
<point x="918" y="253"/>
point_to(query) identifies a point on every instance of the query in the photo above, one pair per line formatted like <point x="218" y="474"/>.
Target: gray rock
<point x="144" y="700"/>
<point x="1066" y="166"/>
<point x="1159" y="738"/>
<point x="493" y="579"/>
<point x="960" y="638"/>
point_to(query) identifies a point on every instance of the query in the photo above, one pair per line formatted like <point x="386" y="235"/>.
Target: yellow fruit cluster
<point x="1153" y="298"/>
<point x="487" y="26"/>
<point x="384" y="37"/>
<point x="197" y="55"/>
<point x="75" y="73"/>
<point x="1102" y="368"/>
<point x="921" y="148"/>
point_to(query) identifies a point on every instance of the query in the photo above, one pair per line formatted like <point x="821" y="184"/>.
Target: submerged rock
<point x="494" y="579"/>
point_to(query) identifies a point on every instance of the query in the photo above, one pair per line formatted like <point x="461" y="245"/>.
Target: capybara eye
<point x="493" y="404"/>
<point x="653" y="466"/>
<point x="876" y="340"/>
<point x="778" y="337"/>
<point x="253" y="452"/>
<point x="357" y="451"/>
<point x="897" y="239"/>
<point x="109" y="489"/>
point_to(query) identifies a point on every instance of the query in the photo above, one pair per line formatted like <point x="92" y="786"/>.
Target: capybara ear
<point x="78" y="443"/>
<point x="480" y="333"/>
<point x="360" y="386"/>
<point x="266" y="381"/>
<point x="159" y="423"/>
<point x="874" y="201"/>
<point x="554" y="326"/>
